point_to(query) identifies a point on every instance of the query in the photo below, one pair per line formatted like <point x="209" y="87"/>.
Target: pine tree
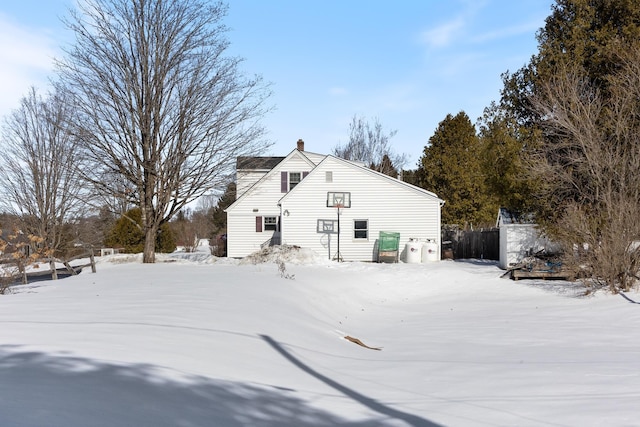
<point x="127" y="234"/>
<point x="451" y="167"/>
<point x="502" y="162"/>
<point x="218" y="215"/>
<point x="385" y="166"/>
<point x="579" y="37"/>
<point x="586" y="34"/>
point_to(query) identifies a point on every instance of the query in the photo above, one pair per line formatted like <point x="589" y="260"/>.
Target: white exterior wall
<point x="314" y="157"/>
<point x="260" y="200"/>
<point x="246" y="179"/>
<point x="390" y="206"/>
<point x="516" y="242"/>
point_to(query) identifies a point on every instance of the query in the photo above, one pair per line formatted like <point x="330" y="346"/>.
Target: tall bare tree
<point x="162" y="106"/>
<point x="41" y="165"/>
<point x="589" y="168"/>
<point x="369" y="143"/>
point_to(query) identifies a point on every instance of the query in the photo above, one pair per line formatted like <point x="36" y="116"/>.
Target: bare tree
<point x="588" y="169"/>
<point x="41" y="166"/>
<point x="208" y="201"/>
<point x="121" y="196"/>
<point x="162" y="106"/>
<point x="368" y="143"/>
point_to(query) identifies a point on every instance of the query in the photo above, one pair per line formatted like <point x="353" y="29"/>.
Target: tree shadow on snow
<point x="410" y="419"/>
<point x="39" y="389"/>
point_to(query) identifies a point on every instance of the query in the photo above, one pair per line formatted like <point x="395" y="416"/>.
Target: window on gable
<point x="288" y="180"/>
<point x="361" y="229"/>
<point x="328" y="176"/>
<point x="294" y="179"/>
<point x="270" y="223"/>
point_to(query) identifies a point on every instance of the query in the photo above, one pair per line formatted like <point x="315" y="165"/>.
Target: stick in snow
<point x="360" y="343"/>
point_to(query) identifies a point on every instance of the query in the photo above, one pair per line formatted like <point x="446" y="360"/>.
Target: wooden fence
<point x="476" y="244"/>
<point x="52" y="272"/>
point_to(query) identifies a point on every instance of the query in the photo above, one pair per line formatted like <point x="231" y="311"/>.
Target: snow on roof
<point x="507" y="217"/>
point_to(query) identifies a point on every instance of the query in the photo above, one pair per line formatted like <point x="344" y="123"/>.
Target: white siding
<point x="260" y="200"/>
<point x="388" y="205"/>
<point x="517" y="241"/>
<point x="314" y="157"/>
<point x="246" y="179"/>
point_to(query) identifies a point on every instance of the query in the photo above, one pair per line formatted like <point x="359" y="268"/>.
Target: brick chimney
<point x="300" y="145"/>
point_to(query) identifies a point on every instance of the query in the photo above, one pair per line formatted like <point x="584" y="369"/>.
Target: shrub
<point x="127" y="234"/>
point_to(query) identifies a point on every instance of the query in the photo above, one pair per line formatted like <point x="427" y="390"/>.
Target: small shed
<point x="519" y="237"/>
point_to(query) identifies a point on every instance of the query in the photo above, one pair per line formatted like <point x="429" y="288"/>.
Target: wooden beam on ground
<point x="538" y="274"/>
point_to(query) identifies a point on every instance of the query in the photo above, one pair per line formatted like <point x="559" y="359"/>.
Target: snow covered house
<point x="301" y="199"/>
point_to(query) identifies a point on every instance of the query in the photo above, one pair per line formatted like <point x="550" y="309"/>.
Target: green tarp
<point x="388" y="241"/>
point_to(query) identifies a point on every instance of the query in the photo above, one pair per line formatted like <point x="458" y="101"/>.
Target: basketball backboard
<point x="338" y="199"/>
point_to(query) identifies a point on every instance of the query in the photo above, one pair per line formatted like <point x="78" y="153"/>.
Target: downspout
<point x="280" y="218"/>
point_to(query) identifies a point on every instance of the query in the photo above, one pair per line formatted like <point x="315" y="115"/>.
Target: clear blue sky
<point x="406" y="63"/>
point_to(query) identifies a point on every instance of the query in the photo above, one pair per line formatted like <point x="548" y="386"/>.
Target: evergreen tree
<point x="582" y="33"/>
<point x="582" y="37"/>
<point x="502" y="162"/>
<point x="451" y="167"/>
<point x="127" y="234"/>
<point x="587" y="33"/>
<point x="385" y="166"/>
<point x="411" y="176"/>
<point x="219" y="216"/>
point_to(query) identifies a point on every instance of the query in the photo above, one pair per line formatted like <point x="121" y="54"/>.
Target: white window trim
<point x="299" y="181"/>
<point x="360" y="239"/>
<point x="328" y="176"/>
<point x="264" y="223"/>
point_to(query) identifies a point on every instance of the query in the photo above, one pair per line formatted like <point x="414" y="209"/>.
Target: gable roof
<point x="294" y="153"/>
<point x="257" y="163"/>
<point x="509" y="217"/>
<point x="314" y="157"/>
<point x="366" y="170"/>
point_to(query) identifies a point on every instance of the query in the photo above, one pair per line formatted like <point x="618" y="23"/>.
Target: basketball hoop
<point x="338" y="200"/>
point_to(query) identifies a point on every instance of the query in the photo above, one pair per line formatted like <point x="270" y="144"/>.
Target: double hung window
<point x="294" y="179"/>
<point x="270" y="223"/>
<point x="361" y="229"/>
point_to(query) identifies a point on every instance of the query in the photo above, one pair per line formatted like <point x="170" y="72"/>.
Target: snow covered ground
<point x="201" y="341"/>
